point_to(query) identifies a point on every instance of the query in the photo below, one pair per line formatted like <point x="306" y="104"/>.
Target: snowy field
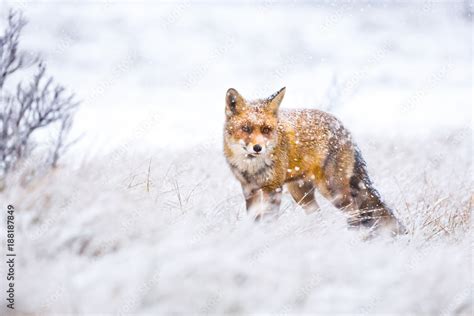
<point x="144" y="216"/>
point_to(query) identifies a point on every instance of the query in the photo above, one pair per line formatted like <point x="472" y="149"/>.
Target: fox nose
<point x="257" y="148"/>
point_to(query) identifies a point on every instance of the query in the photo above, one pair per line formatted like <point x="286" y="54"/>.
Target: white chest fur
<point x="252" y="170"/>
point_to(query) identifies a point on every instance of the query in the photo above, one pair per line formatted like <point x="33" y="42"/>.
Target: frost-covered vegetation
<point x="144" y="215"/>
<point x="169" y="233"/>
<point x="29" y="107"/>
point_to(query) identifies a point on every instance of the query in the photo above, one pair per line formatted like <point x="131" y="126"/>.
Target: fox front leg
<point x="262" y="202"/>
<point x="251" y="195"/>
<point x="272" y="201"/>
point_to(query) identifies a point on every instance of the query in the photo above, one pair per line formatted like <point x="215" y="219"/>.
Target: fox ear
<point x="274" y="101"/>
<point x="234" y="102"/>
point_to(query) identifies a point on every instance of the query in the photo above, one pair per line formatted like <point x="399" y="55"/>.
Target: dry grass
<point x="117" y="223"/>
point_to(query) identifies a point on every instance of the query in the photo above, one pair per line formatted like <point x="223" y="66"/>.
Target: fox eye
<point x="247" y="129"/>
<point x="266" y="130"/>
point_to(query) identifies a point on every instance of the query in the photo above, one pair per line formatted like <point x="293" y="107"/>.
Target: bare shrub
<point x="30" y="106"/>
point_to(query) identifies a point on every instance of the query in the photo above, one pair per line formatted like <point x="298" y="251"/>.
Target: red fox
<point x="267" y="148"/>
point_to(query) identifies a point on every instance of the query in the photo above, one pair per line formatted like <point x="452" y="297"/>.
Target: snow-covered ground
<point x="144" y="216"/>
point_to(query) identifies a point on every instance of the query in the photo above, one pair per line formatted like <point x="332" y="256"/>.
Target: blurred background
<point x="380" y="66"/>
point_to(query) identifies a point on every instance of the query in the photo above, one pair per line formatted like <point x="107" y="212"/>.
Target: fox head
<point x="251" y="129"/>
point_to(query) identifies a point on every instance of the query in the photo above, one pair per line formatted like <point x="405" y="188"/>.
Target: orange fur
<point x="307" y="150"/>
